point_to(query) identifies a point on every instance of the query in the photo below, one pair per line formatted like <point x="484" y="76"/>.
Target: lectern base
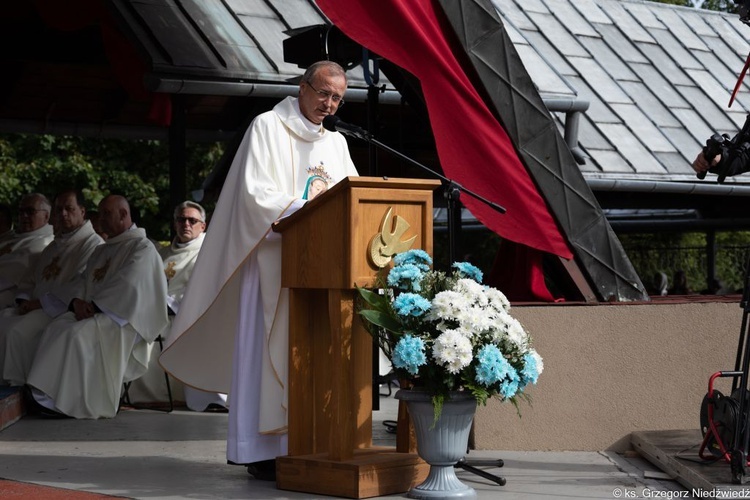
<point x="371" y="472"/>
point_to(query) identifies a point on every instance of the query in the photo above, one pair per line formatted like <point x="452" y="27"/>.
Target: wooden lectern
<point x="335" y="242"/>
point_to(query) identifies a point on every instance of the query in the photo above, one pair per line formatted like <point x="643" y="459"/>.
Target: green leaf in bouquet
<point x="382" y="319"/>
<point x="374" y="299"/>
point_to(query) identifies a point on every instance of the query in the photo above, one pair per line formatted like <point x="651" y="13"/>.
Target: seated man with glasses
<point x="45" y="293"/>
<point x="232" y="330"/>
<point x="189" y="222"/>
<point x="85" y="354"/>
<point x="20" y="253"/>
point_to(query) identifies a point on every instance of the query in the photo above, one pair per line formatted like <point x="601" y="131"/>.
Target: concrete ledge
<point x="675" y="452"/>
<point x="11" y="406"/>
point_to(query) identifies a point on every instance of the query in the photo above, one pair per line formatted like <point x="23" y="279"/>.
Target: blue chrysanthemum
<point x="406" y="277"/>
<point x="417" y="257"/>
<point x="409" y="354"/>
<point x="509" y="387"/>
<point x="411" y="304"/>
<point x="467" y="270"/>
<point x="493" y="367"/>
<point x="530" y="372"/>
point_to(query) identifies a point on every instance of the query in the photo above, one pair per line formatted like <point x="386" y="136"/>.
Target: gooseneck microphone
<point x="335" y="124"/>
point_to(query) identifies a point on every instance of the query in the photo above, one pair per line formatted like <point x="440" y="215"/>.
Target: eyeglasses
<point x="191" y="220"/>
<point x="325" y="95"/>
<point x="29" y="211"/>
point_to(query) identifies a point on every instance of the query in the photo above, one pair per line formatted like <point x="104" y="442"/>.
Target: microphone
<point x="335" y="124"/>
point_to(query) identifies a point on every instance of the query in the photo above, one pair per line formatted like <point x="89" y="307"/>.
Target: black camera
<point x="717" y="144"/>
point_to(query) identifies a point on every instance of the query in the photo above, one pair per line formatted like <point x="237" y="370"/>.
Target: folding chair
<point x="125" y="399"/>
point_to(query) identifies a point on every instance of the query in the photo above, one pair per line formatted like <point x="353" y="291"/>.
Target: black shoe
<point x="49" y="413"/>
<point x="216" y="408"/>
<point x="34" y="408"/>
<point x="264" y="470"/>
<point x="29" y="403"/>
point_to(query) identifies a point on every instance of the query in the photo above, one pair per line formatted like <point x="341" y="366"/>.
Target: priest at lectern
<point x="231" y="333"/>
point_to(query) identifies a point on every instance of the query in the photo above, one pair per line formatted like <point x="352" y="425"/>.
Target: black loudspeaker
<point x="319" y="42"/>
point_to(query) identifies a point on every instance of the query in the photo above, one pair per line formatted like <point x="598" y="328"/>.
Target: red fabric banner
<point x="474" y="149"/>
<point x="518" y="272"/>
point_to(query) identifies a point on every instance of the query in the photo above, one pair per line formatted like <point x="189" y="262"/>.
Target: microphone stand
<point x="451" y="189"/>
<point x="452" y="193"/>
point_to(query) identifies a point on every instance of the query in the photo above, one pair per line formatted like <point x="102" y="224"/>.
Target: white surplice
<point x="56" y="280"/>
<point x="179" y="260"/>
<point x="81" y="365"/>
<point x="231" y="334"/>
<point x="19" y="255"/>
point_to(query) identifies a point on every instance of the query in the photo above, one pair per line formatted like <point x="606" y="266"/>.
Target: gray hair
<point x="189" y="204"/>
<point x="43" y="201"/>
<point x="332" y="68"/>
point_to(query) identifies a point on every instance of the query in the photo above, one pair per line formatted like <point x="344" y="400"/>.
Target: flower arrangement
<point x="448" y="332"/>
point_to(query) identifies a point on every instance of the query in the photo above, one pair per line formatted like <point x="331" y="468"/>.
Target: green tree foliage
<point x="685" y="3"/>
<point x="670" y="252"/>
<point x="138" y="170"/>
<point x="717" y="5"/>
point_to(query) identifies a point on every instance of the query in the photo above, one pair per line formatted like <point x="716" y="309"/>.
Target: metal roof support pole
<point x="372" y="77"/>
<point x="710" y="257"/>
<point x="177" y="154"/>
<point x="372" y="121"/>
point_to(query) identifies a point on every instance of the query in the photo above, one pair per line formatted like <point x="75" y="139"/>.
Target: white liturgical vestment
<point x="19" y="255"/>
<point x="179" y="260"/>
<point x="55" y="281"/>
<point x="231" y="334"/>
<point x="81" y="365"/>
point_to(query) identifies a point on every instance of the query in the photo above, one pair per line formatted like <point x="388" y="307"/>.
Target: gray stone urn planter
<point x="443" y="444"/>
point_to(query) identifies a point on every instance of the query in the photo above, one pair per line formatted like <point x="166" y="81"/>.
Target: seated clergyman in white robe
<point x="46" y="292"/>
<point x="20" y="253"/>
<point x="85" y="355"/>
<point x="54" y="283"/>
<point x="189" y="222"/>
<point x="232" y="330"/>
<point x="179" y="261"/>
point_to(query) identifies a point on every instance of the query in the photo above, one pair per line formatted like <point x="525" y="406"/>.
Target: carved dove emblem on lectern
<point x="387" y="243"/>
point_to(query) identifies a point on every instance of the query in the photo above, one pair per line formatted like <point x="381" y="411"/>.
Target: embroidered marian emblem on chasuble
<point x="318" y="181"/>
<point x="51" y="270"/>
<point x="169" y="270"/>
<point x="319" y="171"/>
<point x="6" y="249"/>
<point x="100" y="273"/>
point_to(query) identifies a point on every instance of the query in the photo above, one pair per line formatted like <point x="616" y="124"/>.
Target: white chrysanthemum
<point x="476" y="319"/>
<point x="517" y="334"/>
<point x="501" y="325"/>
<point x="472" y="290"/>
<point x="452" y="350"/>
<point x="498" y="300"/>
<point x="465" y="332"/>
<point x="538" y="359"/>
<point x="447" y="305"/>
